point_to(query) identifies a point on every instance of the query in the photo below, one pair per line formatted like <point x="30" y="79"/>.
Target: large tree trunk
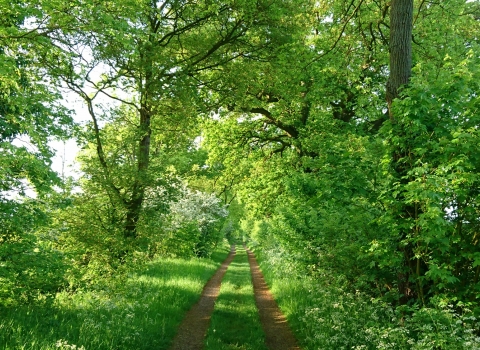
<point x="401" y="26"/>
<point x="401" y="19"/>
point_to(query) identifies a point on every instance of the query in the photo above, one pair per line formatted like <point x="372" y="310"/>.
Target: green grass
<point x="235" y="323"/>
<point x="141" y="311"/>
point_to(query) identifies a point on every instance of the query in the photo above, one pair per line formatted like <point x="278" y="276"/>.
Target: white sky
<point x="66" y="151"/>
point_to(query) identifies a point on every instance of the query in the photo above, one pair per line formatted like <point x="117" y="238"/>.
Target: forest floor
<point x="193" y="329"/>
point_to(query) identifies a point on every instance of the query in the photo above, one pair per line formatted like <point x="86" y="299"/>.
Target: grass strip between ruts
<point x="141" y="312"/>
<point x="235" y="323"/>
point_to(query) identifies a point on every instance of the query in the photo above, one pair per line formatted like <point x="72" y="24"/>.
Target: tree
<point x="337" y="131"/>
<point x="193" y="223"/>
<point x="30" y="115"/>
<point x="401" y="26"/>
<point x="419" y="205"/>
<point x="150" y="54"/>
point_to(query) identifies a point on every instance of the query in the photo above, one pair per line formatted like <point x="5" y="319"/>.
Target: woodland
<point x="338" y="139"/>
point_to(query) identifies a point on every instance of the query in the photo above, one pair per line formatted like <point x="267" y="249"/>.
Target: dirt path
<point x="278" y="335"/>
<point x="192" y="330"/>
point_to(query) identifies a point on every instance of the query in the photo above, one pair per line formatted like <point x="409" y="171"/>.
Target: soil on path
<point x="278" y="335"/>
<point x="192" y="330"/>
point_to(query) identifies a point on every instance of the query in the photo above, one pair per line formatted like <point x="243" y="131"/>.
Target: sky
<point x="66" y="151"/>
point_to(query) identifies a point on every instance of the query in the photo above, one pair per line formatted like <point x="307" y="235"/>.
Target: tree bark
<point x="401" y="27"/>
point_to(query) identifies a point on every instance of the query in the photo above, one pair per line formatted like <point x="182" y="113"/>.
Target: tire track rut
<point x="278" y="335"/>
<point x="192" y="330"/>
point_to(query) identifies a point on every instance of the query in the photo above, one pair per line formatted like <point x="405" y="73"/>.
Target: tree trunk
<point x="133" y="212"/>
<point x="401" y="23"/>
<point x="134" y="206"/>
<point x="401" y="26"/>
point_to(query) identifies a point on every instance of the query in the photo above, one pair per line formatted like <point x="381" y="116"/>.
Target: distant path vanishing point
<point x="278" y="335"/>
<point x="192" y="330"/>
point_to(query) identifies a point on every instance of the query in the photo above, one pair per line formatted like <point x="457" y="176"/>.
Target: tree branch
<point x="340" y="35"/>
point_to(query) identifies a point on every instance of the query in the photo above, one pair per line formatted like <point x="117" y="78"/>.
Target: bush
<point x="29" y="271"/>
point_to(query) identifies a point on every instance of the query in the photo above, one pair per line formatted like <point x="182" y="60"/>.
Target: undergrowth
<point x="324" y="315"/>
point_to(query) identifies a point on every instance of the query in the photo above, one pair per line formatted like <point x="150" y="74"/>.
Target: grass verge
<point x="235" y="323"/>
<point x="140" y="311"/>
<point x="325" y="315"/>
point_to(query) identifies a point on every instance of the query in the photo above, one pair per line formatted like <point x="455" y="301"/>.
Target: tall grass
<point x="325" y="315"/>
<point x="138" y="311"/>
<point x="235" y="323"/>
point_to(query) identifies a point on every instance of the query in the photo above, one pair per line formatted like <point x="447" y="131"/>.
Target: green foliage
<point x="29" y="271"/>
<point x="88" y="233"/>
<point x="30" y="268"/>
<point x="340" y="190"/>
<point x="392" y="208"/>
<point x="436" y="134"/>
<point x="30" y="116"/>
<point x="30" y="111"/>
